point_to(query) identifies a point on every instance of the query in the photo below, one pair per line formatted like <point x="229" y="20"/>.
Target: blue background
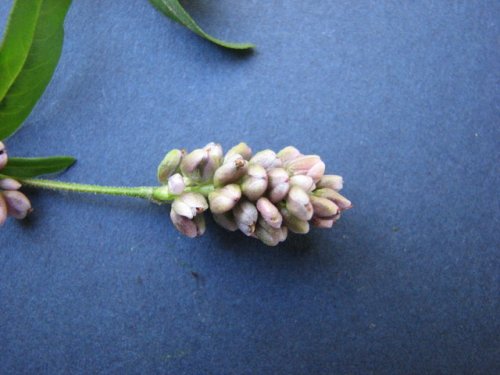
<point x="399" y="97"/>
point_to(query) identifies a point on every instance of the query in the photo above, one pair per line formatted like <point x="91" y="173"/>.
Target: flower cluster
<point x="12" y="202"/>
<point x="264" y="195"/>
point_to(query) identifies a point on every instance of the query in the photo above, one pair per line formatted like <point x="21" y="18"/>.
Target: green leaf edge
<point x="16" y="42"/>
<point x="15" y="105"/>
<point x="33" y="167"/>
<point x="174" y="10"/>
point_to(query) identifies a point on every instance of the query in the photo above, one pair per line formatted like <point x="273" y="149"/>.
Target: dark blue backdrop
<point x="400" y="97"/>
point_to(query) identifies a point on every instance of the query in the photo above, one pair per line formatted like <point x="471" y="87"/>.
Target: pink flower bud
<point x="246" y="216"/>
<point x="189" y="227"/>
<point x="9" y="184"/>
<point x="226" y="221"/>
<point x="268" y="235"/>
<point x="322" y="222"/>
<point x="269" y="212"/>
<point x="266" y="159"/>
<point x="306" y="183"/>
<point x="323" y="207"/>
<point x="278" y="182"/>
<point x="293" y="223"/>
<point x="3" y="155"/>
<point x="189" y="204"/>
<point x="3" y="210"/>
<point x="176" y="184"/>
<point x="240" y="149"/>
<point x="309" y="165"/>
<point x="192" y="163"/>
<point x="331" y="181"/>
<point x="288" y="154"/>
<point x="18" y="206"/>
<point x="224" y="199"/>
<point x="254" y="183"/>
<point x="214" y="160"/>
<point x="335" y="197"/>
<point x="299" y="204"/>
<point x="232" y="170"/>
<point x="169" y="165"/>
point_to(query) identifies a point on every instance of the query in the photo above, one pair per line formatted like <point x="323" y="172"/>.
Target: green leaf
<point x="174" y="10"/>
<point x="33" y="167"/>
<point x="28" y="57"/>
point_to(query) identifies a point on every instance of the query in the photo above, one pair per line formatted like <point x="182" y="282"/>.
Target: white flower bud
<point x="231" y="171"/>
<point x="278" y="182"/>
<point x="254" y="183"/>
<point x="288" y="154"/>
<point x="306" y="183"/>
<point x="266" y="159"/>
<point x="189" y="204"/>
<point x="299" y="204"/>
<point x="323" y="207"/>
<point x="331" y="181"/>
<point x="309" y="165"/>
<point x="189" y="227"/>
<point x="224" y="199"/>
<point x="293" y="223"/>
<point x="269" y="212"/>
<point x="192" y="163"/>
<point x="213" y="161"/>
<point x="176" y="184"/>
<point x="322" y="222"/>
<point x="226" y="221"/>
<point x="246" y="216"/>
<point x="268" y="235"/>
<point x="335" y="197"/>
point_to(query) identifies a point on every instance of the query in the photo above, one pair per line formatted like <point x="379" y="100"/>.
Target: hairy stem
<point x="145" y="192"/>
<point x="158" y="194"/>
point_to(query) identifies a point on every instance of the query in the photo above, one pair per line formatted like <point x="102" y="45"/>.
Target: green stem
<point x="145" y="192"/>
<point x="158" y="194"/>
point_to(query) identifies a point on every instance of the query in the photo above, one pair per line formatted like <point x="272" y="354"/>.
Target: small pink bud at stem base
<point x="9" y="184"/>
<point x="18" y="206"/>
<point x="176" y="184"/>
<point x="3" y="156"/>
<point x="3" y="210"/>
